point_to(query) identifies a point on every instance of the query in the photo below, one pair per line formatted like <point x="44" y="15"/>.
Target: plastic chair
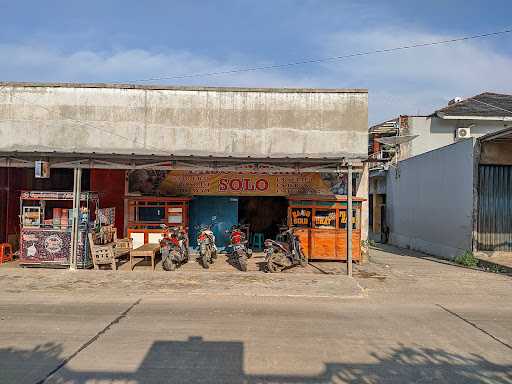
<point x="258" y="240"/>
<point x="6" y="253"/>
<point x="281" y="238"/>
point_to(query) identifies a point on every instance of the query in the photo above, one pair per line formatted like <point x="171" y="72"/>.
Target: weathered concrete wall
<point x="496" y="153"/>
<point x="184" y="121"/>
<point x="430" y="201"/>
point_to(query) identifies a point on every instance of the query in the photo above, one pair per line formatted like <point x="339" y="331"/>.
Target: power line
<point x="490" y="105"/>
<point x="327" y="59"/>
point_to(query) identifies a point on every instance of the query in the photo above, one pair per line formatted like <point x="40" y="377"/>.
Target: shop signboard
<point x="182" y="183"/>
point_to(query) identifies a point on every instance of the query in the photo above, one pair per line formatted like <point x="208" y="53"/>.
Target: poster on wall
<point x="186" y="183"/>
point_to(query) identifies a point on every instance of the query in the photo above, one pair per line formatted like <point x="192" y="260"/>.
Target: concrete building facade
<point x="185" y="121"/>
<point x="187" y="135"/>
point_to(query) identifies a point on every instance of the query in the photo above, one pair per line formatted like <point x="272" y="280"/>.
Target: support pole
<point x="349" y="220"/>
<point x="77" y="190"/>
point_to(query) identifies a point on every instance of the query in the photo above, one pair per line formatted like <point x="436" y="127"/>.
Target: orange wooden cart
<point x="321" y="224"/>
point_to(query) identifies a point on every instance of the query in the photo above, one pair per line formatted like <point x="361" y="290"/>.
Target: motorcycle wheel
<point x="168" y="265"/>
<point x="204" y="259"/>
<point x="303" y="261"/>
<point x="242" y="261"/>
<point x="273" y="265"/>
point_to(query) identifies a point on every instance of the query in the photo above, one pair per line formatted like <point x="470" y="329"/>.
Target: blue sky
<point x="113" y="41"/>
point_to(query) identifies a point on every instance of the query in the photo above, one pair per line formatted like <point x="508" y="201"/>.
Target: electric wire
<point x="326" y="59"/>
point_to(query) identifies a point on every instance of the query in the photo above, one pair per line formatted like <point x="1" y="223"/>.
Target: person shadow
<point x="198" y="361"/>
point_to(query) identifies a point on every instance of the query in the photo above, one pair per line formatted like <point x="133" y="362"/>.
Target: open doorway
<point x="264" y="214"/>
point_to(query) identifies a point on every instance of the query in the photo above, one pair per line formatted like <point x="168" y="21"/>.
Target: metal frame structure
<point x="185" y="163"/>
<point x="79" y="161"/>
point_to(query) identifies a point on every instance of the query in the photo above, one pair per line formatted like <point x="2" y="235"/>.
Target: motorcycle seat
<point x="281" y="243"/>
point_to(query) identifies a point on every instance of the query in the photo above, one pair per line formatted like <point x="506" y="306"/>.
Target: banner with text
<point x="179" y="183"/>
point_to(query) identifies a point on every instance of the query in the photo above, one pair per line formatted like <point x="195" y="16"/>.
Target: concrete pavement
<point x="403" y="319"/>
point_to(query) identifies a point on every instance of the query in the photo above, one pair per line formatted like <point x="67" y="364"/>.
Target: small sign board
<point x="42" y="169"/>
<point x="301" y="217"/>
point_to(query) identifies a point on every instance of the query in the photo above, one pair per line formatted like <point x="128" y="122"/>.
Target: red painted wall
<point x="110" y="184"/>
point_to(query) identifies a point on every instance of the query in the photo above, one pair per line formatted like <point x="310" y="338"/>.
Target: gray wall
<point x="430" y="201"/>
<point x="183" y="121"/>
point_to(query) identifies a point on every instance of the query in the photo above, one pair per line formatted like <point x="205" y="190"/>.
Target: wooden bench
<point x="110" y="253"/>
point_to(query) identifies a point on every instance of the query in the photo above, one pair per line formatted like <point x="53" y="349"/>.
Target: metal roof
<point x="504" y="134"/>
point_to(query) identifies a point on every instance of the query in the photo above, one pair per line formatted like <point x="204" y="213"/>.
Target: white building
<point x="451" y="189"/>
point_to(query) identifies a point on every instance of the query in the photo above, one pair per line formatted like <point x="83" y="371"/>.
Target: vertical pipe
<point x="8" y="202"/>
<point x="349" y="220"/>
<point x="77" y="186"/>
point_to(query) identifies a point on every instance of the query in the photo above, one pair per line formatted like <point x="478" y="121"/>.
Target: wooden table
<point x="146" y="250"/>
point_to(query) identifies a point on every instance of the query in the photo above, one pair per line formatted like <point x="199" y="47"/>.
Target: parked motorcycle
<point x="206" y="244"/>
<point x="174" y="247"/>
<point x="239" y="251"/>
<point x="281" y="255"/>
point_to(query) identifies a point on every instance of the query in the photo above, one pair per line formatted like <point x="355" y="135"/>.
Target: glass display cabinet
<point x="321" y="224"/>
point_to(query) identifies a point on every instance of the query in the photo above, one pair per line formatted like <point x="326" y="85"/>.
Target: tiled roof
<point x="484" y="105"/>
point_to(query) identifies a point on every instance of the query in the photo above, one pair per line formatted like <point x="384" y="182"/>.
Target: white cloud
<point x="40" y="63"/>
<point x="407" y="82"/>
<point x="418" y="80"/>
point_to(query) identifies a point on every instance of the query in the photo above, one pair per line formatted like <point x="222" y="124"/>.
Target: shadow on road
<point x="199" y="361"/>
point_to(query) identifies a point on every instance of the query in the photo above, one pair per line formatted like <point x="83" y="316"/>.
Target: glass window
<point x="343" y="219"/>
<point x="151" y="214"/>
<point x="325" y="218"/>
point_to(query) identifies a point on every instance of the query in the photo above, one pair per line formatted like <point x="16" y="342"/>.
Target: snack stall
<point x="147" y="214"/>
<point x="45" y="234"/>
<point x="321" y="225"/>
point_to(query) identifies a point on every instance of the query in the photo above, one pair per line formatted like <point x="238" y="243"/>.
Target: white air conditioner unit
<point x="462" y="133"/>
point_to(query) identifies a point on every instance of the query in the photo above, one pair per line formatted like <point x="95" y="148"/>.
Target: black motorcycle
<point x="239" y="251"/>
<point x="206" y="245"/>
<point x="174" y="247"/>
<point x="281" y="255"/>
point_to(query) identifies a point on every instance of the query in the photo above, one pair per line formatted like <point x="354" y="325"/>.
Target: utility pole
<point x="349" y="220"/>
<point x="77" y="191"/>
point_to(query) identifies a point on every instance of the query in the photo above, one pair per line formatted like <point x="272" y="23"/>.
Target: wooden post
<point x="77" y="190"/>
<point x="349" y="220"/>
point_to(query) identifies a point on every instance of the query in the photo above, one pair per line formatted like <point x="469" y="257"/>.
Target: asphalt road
<point x="402" y="320"/>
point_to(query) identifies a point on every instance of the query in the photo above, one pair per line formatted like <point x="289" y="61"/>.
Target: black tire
<point x="204" y="259"/>
<point x="168" y="265"/>
<point x="303" y="261"/>
<point x="272" y="265"/>
<point x="242" y="262"/>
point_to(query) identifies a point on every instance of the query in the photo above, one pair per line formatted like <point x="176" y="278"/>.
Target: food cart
<point x="147" y="214"/>
<point x="45" y="235"/>
<point x="321" y="225"/>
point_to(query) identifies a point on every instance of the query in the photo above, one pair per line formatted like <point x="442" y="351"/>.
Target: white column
<point x="349" y="220"/>
<point x="77" y="190"/>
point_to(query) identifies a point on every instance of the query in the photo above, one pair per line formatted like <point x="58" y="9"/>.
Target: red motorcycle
<point x="239" y="252"/>
<point x="174" y="247"/>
